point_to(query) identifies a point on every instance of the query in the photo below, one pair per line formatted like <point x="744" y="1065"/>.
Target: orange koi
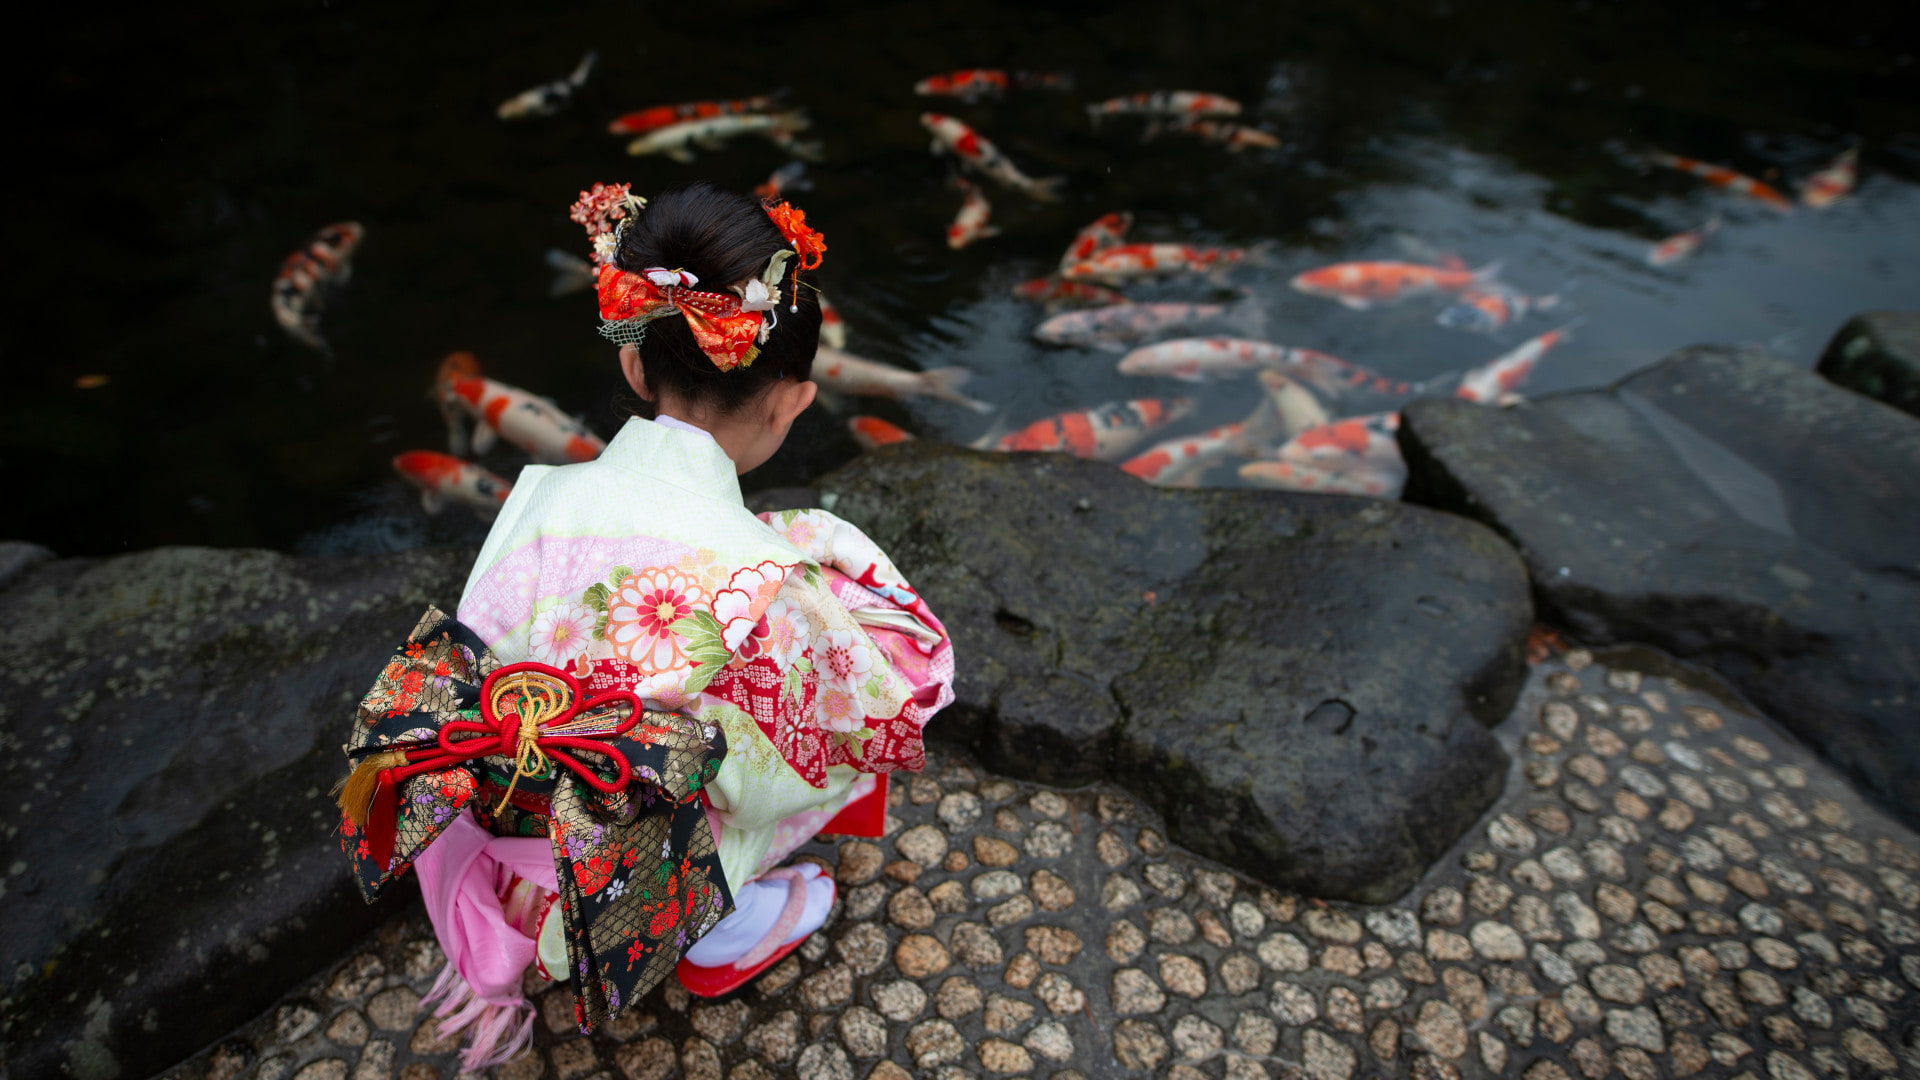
<point x="1102" y="433"/>
<point x="443" y="478"/>
<point x="1128" y="262"/>
<point x="300" y="288"/>
<point x="973" y="84"/>
<point x="1681" y="245"/>
<point x="1198" y="359"/>
<point x="976" y="153"/>
<point x="1361" y="285"/>
<point x="1724" y="178"/>
<point x="1490" y="306"/>
<point x="786" y="178"/>
<point x="1107" y="231"/>
<point x="532" y="423"/>
<point x="970" y="223"/>
<point x="1187" y="103"/>
<point x="1294" y="476"/>
<point x="833" y="329"/>
<point x="871" y="431"/>
<point x="1499" y="380"/>
<point x="1180" y="462"/>
<point x="1357" y="455"/>
<point x="639" y="123"/>
<point x="1235" y="137"/>
<point x="1055" y="291"/>
<point x="1833" y="183"/>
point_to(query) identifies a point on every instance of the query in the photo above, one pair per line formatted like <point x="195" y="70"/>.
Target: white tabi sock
<point x="756" y="907"/>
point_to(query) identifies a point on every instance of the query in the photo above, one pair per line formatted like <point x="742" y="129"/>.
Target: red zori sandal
<point x="801" y="911"/>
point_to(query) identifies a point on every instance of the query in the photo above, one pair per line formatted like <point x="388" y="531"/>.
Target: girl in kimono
<point x="789" y="634"/>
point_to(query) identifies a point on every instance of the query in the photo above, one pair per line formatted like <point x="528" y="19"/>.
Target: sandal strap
<point x="790" y="914"/>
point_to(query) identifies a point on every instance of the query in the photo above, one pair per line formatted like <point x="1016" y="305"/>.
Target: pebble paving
<point x="1669" y="887"/>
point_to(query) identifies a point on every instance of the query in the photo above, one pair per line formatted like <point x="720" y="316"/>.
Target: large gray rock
<point x="172" y="723"/>
<point x="1878" y="354"/>
<point x="1298" y="682"/>
<point x="1729" y="508"/>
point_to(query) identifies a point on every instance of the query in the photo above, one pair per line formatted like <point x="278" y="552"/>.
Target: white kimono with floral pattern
<point x="792" y="632"/>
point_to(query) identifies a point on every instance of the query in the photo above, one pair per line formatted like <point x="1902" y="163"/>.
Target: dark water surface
<point x="166" y="162"/>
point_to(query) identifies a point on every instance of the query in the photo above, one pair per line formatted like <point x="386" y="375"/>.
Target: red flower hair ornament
<point x="727" y="326"/>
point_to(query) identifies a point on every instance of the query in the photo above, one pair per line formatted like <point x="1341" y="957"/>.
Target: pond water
<point x="177" y="156"/>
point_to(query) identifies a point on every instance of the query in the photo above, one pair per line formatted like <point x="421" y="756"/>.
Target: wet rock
<point x="1878" y="354"/>
<point x="1063" y="649"/>
<point x="1138" y="1044"/>
<point x="899" y="1000"/>
<point x="1183" y="975"/>
<point x="1134" y="992"/>
<point x="1326" y="1058"/>
<point x="934" y="1042"/>
<point x="1769" y="532"/>
<point x="1051" y="1040"/>
<point x="188" y="653"/>
<point x="920" y="955"/>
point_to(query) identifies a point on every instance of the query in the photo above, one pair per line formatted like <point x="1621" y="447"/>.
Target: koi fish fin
<point x="1354" y="303"/>
<point x="431" y="502"/>
<point x="1045" y="189"/>
<point x="986" y="231"/>
<point x="579" y="76"/>
<point x="484" y="436"/>
<point x="945" y="383"/>
<point x="995" y="432"/>
<point x="571" y="273"/>
<point x="680" y="154"/>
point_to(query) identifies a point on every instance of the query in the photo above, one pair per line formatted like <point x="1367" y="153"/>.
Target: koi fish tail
<point x="1046" y="189"/>
<point x="571" y="274"/>
<point x="579" y="76"/>
<point x="945" y="383"/>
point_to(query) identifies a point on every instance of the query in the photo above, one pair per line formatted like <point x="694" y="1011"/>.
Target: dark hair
<point x="724" y="239"/>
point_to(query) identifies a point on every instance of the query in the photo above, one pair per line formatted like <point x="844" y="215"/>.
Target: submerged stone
<point x="1299" y="683"/>
<point x="1878" y="354"/>
<point x="1729" y="508"/>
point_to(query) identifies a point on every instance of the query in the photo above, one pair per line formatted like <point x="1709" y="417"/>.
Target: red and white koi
<point x="1498" y="381"/>
<point x="788" y="177"/>
<point x="645" y="120"/>
<point x="675" y="139"/>
<point x="1114" y="327"/>
<point x="1102" y="433"/>
<point x="1361" y="285"/>
<point x="833" y="329"/>
<point x="1383" y="481"/>
<point x="1058" y="292"/>
<point x="1181" y="462"/>
<point x="1833" y="183"/>
<point x="976" y="153"/>
<point x="1490" y="306"/>
<point x="1108" y="230"/>
<point x="1200" y="359"/>
<point x="548" y="98"/>
<point x="300" y="288"/>
<point x="532" y="423"/>
<point x="443" y="479"/>
<point x="1132" y="262"/>
<point x="970" y="223"/>
<point x="1357" y="455"/>
<point x="973" y="84"/>
<point x="871" y="431"/>
<point x="1175" y="103"/>
<point x="1235" y="137"/>
<point x="1723" y="178"/>
<point x="850" y="374"/>
<point x="1682" y="245"/>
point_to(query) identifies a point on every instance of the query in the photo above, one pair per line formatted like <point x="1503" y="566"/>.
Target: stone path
<point x="1669" y="887"/>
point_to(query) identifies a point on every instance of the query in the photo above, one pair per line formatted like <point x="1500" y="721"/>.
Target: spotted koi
<point x="871" y="431"/>
<point x="976" y="153"/>
<point x="1361" y="285"/>
<point x="1102" y="433"/>
<point x="532" y="423"/>
<point x="1498" y="381"/>
<point x="443" y="478"/>
<point x="639" y="123"/>
<point x="1833" y="183"/>
<point x="1132" y="262"/>
<point x="1176" y="103"/>
<point x="1724" y="178"/>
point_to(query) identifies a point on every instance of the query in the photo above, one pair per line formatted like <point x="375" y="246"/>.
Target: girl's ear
<point x="787" y="400"/>
<point x="635" y="372"/>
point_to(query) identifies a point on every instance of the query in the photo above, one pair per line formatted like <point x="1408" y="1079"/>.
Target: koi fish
<point x="300" y="288"/>
<point x="975" y="152"/>
<point x="1382" y="481"/>
<point x="532" y="423"/>
<point x="571" y="273"/>
<point x="1289" y="408"/>
<point x="1235" y="137"/>
<point x="1834" y="182"/>
<point x="850" y="374"/>
<point x="970" y="223"/>
<point x="1498" y="380"/>
<point x="443" y="478"/>
<point x="1181" y="462"/>
<point x="1490" y="306"/>
<point x="1106" y="231"/>
<point x="1102" y="433"/>
<point x="1130" y="262"/>
<point x="548" y="98"/>
<point x="1055" y="292"/>
<point x="1187" y="103"/>
<point x="871" y="431"/>
<point x="1682" y="245"/>
<point x="972" y="84"/>
<point x="1113" y="327"/>
<point x="708" y="134"/>
<point x="1361" y="285"/>
<point x="788" y="177"/>
<point x="639" y="123"/>
<point x="1357" y="455"/>
<point x="833" y="329"/>
<point x="1723" y="178"/>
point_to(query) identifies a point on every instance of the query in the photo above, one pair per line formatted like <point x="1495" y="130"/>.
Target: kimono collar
<point x="678" y="454"/>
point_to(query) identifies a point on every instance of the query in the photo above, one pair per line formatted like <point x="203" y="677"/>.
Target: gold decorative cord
<point x="540" y="698"/>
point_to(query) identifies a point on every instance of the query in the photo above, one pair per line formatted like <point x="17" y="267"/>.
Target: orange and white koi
<point x="1177" y="103"/>
<point x="443" y="478"/>
<point x="1114" y="327"/>
<point x="1384" y="481"/>
<point x="1106" y="231"/>
<point x="532" y="423"/>
<point x="1682" y="245"/>
<point x="1102" y="433"/>
<point x="1357" y="455"/>
<point x="675" y="139"/>
<point x="1131" y="262"/>
<point x="645" y="120"/>
<point x="970" y="223"/>
<point x="1833" y="183"/>
<point x="1058" y="292"/>
<point x="850" y="374"/>
<point x="788" y="177"/>
<point x="871" y="431"/>
<point x="1498" y="381"/>
<point x="1181" y="462"/>
<point x="1199" y="359"/>
<point x="1723" y="178"/>
<point x="1490" y="306"/>
<point x="976" y="153"/>
<point x="1361" y="285"/>
<point x="300" y="288"/>
<point x="548" y="98"/>
<point x="973" y="84"/>
<point x="1235" y="137"/>
<point x="833" y="329"/>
